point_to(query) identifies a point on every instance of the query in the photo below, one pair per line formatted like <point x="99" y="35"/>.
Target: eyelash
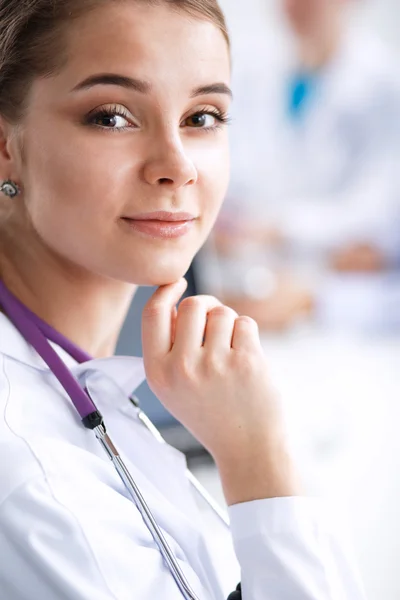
<point x="221" y="117"/>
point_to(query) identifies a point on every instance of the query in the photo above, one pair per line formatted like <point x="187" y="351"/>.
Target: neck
<point x="87" y="309"/>
<point x="319" y="45"/>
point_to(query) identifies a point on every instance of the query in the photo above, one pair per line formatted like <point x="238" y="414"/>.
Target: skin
<point x="360" y="258"/>
<point x="77" y="184"/>
<point x="317" y="26"/>
<point x="80" y="264"/>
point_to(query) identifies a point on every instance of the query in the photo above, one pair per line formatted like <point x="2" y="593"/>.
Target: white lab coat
<point x="68" y="530"/>
<point x="330" y="177"/>
<point x="327" y="180"/>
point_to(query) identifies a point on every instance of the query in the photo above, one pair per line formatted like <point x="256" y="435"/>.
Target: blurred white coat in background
<point x="324" y="173"/>
<point x="329" y="175"/>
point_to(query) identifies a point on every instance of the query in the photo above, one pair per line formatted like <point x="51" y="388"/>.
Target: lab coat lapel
<point x="158" y="469"/>
<point x="136" y="444"/>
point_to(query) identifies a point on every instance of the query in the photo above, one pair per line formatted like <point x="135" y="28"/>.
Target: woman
<point x="114" y="162"/>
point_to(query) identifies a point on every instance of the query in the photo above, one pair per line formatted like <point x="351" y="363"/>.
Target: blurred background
<point x="308" y="243"/>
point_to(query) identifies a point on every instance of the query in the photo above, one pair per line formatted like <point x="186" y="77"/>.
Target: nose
<point x="169" y="165"/>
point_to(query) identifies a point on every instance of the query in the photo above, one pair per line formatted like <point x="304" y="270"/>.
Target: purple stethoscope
<point x="38" y="334"/>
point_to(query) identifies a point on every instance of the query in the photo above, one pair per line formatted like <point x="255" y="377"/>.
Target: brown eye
<point x="106" y="121"/>
<point x="109" y="119"/>
<point x="199" y="120"/>
<point x="202" y="121"/>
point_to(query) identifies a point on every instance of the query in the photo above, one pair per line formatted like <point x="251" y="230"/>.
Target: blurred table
<point x="341" y="398"/>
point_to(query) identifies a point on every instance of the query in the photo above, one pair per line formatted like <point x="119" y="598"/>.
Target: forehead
<point x="155" y="43"/>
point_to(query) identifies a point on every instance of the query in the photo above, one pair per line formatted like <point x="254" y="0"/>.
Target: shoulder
<point x="34" y="435"/>
<point x="20" y="465"/>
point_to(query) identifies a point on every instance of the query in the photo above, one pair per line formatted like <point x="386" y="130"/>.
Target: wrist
<point x="258" y="473"/>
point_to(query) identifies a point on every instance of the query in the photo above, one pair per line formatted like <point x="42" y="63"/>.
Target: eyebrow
<point x="214" y="88"/>
<point x="143" y="87"/>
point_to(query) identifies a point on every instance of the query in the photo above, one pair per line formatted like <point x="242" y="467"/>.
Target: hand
<point x="206" y="365"/>
<point x="292" y="302"/>
<point x="360" y="258"/>
<point x="279" y="311"/>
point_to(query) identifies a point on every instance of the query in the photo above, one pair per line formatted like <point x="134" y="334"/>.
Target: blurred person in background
<point x="309" y="225"/>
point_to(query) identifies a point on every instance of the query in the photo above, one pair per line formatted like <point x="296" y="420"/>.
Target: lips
<point x="161" y="224"/>
<point x="167" y="217"/>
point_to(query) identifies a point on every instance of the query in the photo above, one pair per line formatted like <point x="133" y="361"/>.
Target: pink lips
<point x="161" y="224"/>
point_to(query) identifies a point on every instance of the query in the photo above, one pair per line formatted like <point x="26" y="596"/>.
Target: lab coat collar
<point x="127" y="371"/>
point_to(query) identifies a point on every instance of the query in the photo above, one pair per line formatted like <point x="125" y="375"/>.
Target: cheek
<point x="76" y="180"/>
<point x="77" y="186"/>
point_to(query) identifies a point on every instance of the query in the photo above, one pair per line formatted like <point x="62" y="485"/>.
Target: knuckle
<point x="247" y="364"/>
<point x="209" y="299"/>
<point x="247" y="321"/>
<point x="214" y="365"/>
<point x="198" y="302"/>
<point x="222" y="311"/>
<point x="190" y="304"/>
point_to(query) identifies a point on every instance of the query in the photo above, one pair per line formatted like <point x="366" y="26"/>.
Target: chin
<point x="159" y="274"/>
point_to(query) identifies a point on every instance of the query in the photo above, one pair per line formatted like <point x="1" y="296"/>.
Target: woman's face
<point x="127" y="137"/>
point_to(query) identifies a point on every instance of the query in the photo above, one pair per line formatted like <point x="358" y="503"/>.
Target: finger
<point x="246" y="335"/>
<point x="157" y="319"/>
<point x="191" y="322"/>
<point x="174" y="315"/>
<point x="219" y="328"/>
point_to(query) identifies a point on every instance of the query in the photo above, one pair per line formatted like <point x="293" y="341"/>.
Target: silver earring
<point x="10" y="188"/>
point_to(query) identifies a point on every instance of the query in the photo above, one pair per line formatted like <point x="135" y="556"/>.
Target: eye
<point x="113" y="118"/>
<point x="206" y="119"/>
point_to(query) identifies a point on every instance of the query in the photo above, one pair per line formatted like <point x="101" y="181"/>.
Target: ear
<point x="9" y="151"/>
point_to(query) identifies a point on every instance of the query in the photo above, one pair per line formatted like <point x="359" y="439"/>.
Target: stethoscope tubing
<point x="195" y="483"/>
<point x="146" y="514"/>
<point x="37" y="334"/>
